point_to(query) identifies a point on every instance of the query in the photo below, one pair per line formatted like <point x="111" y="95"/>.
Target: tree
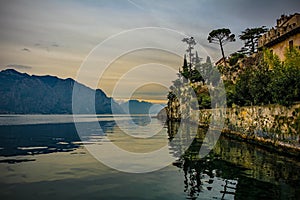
<point x="285" y="79"/>
<point x="185" y="68"/>
<point x="250" y="37"/>
<point x="292" y="57"/>
<point x="271" y="81"/>
<point x="191" y="43"/>
<point x="221" y="37"/>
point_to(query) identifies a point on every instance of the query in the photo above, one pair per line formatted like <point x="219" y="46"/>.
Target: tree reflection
<point x="233" y="169"/>
<point x="192" y="179"/>
<point x="201" y="175"/>
<point x="186" y="148"/>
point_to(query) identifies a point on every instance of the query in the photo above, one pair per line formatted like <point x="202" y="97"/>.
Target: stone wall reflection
<point x="231" y="167"/>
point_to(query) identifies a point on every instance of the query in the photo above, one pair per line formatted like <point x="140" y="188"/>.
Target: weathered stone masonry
<point x="273" y="126"/>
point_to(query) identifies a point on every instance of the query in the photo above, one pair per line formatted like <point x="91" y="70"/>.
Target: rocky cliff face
<point x="173" y="110"/>
<point x="21" y="93"/>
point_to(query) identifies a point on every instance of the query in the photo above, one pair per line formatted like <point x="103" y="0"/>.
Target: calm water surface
<point x="42" y="157"/>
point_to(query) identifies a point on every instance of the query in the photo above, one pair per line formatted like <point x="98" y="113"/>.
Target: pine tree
<point x="191" y="43"/>
<point x="221" y="37"/>
<point x="250" y="37"/>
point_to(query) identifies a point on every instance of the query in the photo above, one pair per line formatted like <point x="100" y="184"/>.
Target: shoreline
<point x="285" y="149"/>
<point x="272" y="127"/>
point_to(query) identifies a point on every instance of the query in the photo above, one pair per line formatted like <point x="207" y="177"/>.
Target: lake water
<point x="45" y="157"/>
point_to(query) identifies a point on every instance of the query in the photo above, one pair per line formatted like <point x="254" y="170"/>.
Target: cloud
<point x="55" y="45"/>
<point x="15" y="66"/>
<point x="60" y="34"/>
<point x="26" y="50"/>
<point x="47" y="45"/>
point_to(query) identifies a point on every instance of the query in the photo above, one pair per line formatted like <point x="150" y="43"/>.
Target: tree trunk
<point x="252" y="45"/>
<point x="222" y="50"/>
<point x="190" y="65"/>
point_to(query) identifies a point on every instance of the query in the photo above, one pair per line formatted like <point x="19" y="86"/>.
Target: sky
<point x="128" y="48"/>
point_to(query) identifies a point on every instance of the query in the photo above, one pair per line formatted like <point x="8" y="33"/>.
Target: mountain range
<point x="21" y="93"/>
<point x="141" y="107"/>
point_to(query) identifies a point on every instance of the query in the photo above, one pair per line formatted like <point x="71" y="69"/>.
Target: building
<point x="285" y="35"/>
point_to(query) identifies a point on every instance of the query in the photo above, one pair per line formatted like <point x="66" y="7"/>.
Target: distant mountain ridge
<point x="21" y="93"/>
<point x="141" y="107"/>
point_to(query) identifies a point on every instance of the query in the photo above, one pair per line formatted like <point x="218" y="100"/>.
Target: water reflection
<point x="232" y="170"/>
<point x="33" y="139"/>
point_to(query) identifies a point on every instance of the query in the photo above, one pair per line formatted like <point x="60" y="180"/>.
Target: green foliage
<point x="203" y="97"/>
<point x="171" y="96"/>
<point x="271" y="60"/>
<point x="285" y="79"/>
<point x="250" y="37"/>
<point x="234" y="58"/>
<point x="195" y="76"/>
<point x="241" y="94"/>
<point x="266" y="81"/>
<point x="230" y="92"/>
<point x="292" y="58"/>
<point x="185" y="69"/>
<point x="174" y="89"/>
<point x="269" y="82"/>
<point x="252" y="87"/>
<point x="205" y="101"/>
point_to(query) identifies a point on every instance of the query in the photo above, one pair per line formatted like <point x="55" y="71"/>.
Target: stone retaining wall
<point x="271" y="125"/>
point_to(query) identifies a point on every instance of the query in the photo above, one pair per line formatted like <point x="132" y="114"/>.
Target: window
<point x="291" y="44"/>
<point x="284" y="29"/>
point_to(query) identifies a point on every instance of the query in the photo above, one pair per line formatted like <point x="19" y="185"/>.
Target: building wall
<point x="279" y="49"/>
<point x="285" y="25"/>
